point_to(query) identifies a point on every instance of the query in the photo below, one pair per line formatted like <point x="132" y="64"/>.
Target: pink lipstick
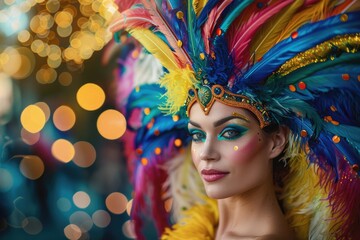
<point x="211" y="175"/>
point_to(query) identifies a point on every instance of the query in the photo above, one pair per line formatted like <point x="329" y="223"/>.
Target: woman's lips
<point x="211" y="175"/>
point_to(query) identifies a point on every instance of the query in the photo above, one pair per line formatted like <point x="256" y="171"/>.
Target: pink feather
<point x="239" y="42"/>
<point x="132" y="18"/>
<point x="123" y="5"/>
<point x="164" y="27"/>
<point x="209" y="26"/>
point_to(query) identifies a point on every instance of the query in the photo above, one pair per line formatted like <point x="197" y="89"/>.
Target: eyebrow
<point x="223" y="120"/>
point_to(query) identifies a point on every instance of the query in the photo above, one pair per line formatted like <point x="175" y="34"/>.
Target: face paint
<point x="227" y="145"/>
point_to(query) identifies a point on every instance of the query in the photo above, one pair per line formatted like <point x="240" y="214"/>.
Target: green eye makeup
<point x="232" y="132"/>
<point x="197" y="135"/>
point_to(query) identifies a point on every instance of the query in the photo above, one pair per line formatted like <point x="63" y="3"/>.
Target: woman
<point x="234" y="157"/>
<point x="269" y="93"/>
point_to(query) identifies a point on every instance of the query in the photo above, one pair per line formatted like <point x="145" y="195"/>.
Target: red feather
<point x="209" y="26"/>
<point x="239" y="43"/>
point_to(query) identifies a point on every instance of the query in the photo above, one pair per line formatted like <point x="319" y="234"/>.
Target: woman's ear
<point x="280" y="139"/>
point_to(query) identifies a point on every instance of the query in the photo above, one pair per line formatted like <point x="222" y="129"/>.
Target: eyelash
<point x="233" y="131"/>
<point x="197" y="135"/>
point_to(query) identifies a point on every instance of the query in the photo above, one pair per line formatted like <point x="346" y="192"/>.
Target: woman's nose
<point x="209" y="151"/>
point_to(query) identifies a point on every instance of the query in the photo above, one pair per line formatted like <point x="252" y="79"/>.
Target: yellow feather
<point x="304" y="200"/>
<point x="198" y="6"/>
<point x="315" y="12"/>
<point x="177" y="83"/>
<point x="156" y="47"/>
<point x="268" y="34"/>
<point x="199" y="224"/>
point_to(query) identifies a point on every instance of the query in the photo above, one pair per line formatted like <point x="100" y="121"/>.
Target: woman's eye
<point x="197" y="136"/>
<point x="232" y="133"/>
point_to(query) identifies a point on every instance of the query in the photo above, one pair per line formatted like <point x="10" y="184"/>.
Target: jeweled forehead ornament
<point x="206" y="95"/>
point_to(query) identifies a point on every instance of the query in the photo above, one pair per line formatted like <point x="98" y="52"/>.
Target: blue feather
<point x="308" y="36"/>
<point x="174" y="4"/>
<point x="203" y="16"/>
<point x="236" y="8"/>
<point x="196" y="46"/>
<point x="350" y="133"/>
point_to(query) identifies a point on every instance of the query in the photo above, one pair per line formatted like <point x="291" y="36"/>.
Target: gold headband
<point x="206" y="97"/>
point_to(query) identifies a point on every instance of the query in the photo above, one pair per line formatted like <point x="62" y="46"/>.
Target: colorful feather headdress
<point x="294" y="63"/>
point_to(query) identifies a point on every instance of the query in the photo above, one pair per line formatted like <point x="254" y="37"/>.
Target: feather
<point x="239" y="6"/>
<point x="344" y="6"/>
<point x="132" y="18"/>
<point x="322" y="77"/>
<point x="155" y="46"/>
<point x="239" y="42"/>
<point x="198" y="5"/>
<point x="289" y="47"/>
<point x="195" y="46"/>
<point x="174" y="4"/>
<point x="165" y="28"/>
<point x="210" y="24"/>
<point x="205" y="12"/>
<point x="264" y="39"/>
<point x="149" y="178"/>
<point x="177" y="91"/>
<point x="123" y="5"/>
<point x="312" y="12"/>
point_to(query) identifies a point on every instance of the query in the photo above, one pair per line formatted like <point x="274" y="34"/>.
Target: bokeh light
<point x="90" y="96"/>
<point x="101" y="218"/>
<point x="10" y="61"/>
<point x="45" y="108"/>
<point x="128" y="229"/>
<point x="6" y="180"/>
<point x="63" y="19"/>
<point x="63" y="204"/>
<point x="82" y="220"/>
<point x="65" y="78"/>
<point x="27" y="63"/>
<point x="116" y="202"/>
<point x="85" y="154"/>
<point x="6" y="98"/>
<point x="24" y="36"/>
<point x="81" y="199"/>
<point x="52" y="6"/>
<point x="45" y="73"/>
<point x="72" y="232"/>
<point x="32" y="167"/>
<point x="111" y="124"/>
<point x="129" y="206"/>
<point x="64" y="118"/>
<point x="28" y="137"/>
<point x="63" y="150"/>
<point x="32" y="225"/>
<point x="33" y="118"/>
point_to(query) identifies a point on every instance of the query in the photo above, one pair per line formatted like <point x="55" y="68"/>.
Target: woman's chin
<point x="216" y="193"/>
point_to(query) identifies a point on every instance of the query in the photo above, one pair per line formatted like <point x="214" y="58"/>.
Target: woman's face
<point x="230" y="151"/>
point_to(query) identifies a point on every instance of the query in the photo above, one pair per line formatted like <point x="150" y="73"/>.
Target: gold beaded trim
<point x="349" y="43"/>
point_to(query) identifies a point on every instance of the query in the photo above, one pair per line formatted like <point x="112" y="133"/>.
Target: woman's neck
<point x="255" y="213"/>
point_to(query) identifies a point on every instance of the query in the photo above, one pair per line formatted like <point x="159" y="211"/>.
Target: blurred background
<point x="62" y="168"/>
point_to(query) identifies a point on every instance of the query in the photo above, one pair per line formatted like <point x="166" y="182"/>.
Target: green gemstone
<point x="204" y="95"/>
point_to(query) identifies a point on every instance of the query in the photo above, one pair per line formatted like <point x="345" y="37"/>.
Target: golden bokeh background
<point x="62" y="170"/>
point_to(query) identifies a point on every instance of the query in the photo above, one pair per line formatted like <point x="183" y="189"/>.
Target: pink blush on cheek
<point x="244" y="153"/>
